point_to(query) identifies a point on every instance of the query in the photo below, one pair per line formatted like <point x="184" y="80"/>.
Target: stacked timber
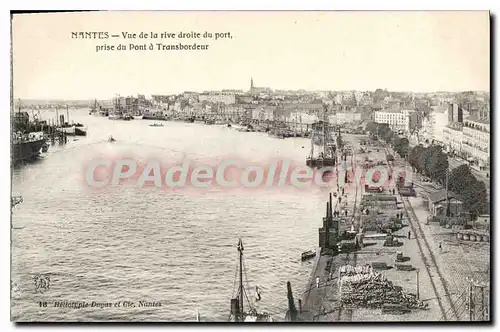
<point x="381" y="222"/>
<point x="373" y="290"/>
<point x="349" y="270"/>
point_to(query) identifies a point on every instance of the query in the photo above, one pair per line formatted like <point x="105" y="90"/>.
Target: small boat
<point x="111" y="139"/>
<point x="308" y="255"/>
<point x="238" y="314"/>
<point x="156" y="125"/>
<point x="229" y="125"/>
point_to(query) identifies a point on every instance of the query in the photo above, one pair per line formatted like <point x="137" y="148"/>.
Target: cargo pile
<point x="363" y="287"/>
<point x="380" y="223"/>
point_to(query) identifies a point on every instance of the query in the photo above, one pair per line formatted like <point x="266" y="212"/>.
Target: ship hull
<point x="74" y="131"/>
<point x="154" y="117"/>
<point x="80" y="131"/>
<point x="26" y="151"/>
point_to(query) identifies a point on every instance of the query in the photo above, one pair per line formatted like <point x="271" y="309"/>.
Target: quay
<point x="390" y="266"/>
<point x="384" y="259"/>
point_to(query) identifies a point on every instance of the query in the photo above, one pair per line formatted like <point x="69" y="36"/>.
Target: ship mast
<point x="240" y="250"/>
<point x="324" y="132"/>
<point x="312" y="143"/>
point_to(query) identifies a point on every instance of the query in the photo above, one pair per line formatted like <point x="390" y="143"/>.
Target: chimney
<point x="331" y="207"/>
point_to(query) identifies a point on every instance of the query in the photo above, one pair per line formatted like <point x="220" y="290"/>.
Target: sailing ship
<point x="322" y="135"/>
<point x="238" y="306"/>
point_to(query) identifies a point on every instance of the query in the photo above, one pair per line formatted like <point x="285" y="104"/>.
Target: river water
<point x="175" y="247"/>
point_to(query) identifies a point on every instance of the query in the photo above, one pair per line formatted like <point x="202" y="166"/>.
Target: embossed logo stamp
<point x="42" y="283"/>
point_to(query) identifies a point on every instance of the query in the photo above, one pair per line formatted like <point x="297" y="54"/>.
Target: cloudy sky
<point x="401" y="51"/>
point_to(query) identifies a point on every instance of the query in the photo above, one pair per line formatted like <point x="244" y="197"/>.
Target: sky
<point x="400" y="51"/>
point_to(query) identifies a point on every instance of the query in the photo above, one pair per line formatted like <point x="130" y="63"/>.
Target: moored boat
<point x="115" y="116"/>
<point x="308" y="255"/>
<point x="26" y="147"/>
<point x="238" y="312"/>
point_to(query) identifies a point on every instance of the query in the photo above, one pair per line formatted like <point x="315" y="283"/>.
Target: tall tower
<point x="251" y="83"/>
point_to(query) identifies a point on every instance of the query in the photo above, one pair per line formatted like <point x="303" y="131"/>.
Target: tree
<point x="404" y="147"/>
<point x="389" y="137"/>
<point x="472" y="191"/>
<point x="460" y="178"/>
<point x="383" y="129"/>
<point x="436" y="163"/>
<point x="414" y="157"/>
<point x="371" y="127"/>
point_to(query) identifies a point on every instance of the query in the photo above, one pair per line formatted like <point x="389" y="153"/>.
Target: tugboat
<point x="111" y="139"/>
<point x="238" y="313"/>
<point x="75" y="129"/>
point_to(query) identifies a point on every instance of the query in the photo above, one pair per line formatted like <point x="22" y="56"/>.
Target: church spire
<point x="251" y="83"/>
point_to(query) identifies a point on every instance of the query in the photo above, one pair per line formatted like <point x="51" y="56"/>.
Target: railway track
<point x="438" y="284"/>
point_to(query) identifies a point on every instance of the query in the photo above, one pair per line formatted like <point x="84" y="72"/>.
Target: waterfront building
<point x="227" y="98"/>
<point x="438" y="119"/>
<point x="399" y="120"/>
<point x="476" y="140"/>
<point x="453" y="137"/>
<point x="347" y="116"/>
<point x="455" y="113"/>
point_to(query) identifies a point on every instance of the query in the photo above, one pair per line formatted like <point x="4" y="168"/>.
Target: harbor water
<point x="147" y="244"/>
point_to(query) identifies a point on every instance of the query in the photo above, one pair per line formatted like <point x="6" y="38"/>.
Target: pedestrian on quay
<point x="440" y="247"/>
<point x="409" y="235"/>
<point x="317" y="282"/>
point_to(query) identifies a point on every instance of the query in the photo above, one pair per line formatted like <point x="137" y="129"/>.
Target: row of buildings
<point x="463" y="132"/>
<point x="423" y="117"/>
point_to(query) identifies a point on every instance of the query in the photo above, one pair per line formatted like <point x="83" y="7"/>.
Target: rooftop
<point x="440" y="196"/>
<point x="390" y="110"/>
<point x="474" y="118"/>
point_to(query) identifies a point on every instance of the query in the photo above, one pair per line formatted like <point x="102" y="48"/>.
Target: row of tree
<point x="430" y="161"/>
<point x="382" y="131"/>
<point x="433" y="163"/>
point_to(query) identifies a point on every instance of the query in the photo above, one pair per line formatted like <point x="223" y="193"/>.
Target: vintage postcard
<point x="250" y="166"/>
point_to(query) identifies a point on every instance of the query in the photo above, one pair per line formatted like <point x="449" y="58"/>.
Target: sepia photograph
<point x="250" y="166"/>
